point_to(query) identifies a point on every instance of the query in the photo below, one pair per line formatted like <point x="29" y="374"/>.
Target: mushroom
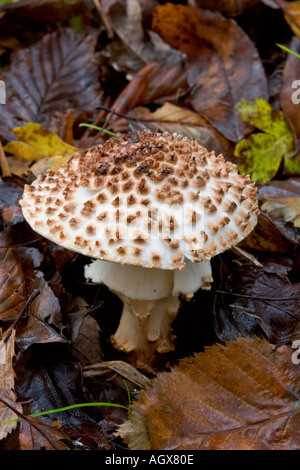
<point x="152" y="209"/>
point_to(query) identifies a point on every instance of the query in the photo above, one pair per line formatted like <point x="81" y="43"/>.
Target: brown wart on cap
<point x="161" y="206"/>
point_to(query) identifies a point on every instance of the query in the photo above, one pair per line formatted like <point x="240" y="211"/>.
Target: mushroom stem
<point x="145" y="327"/>
<point x="150" y="303"/>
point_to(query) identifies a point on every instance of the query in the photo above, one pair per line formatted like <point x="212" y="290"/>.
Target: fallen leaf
<point x="223" y="65"/>
<point x="254" y="300"/>
<point x="183" y="121"/>
<point x="268" y="236"/>
<point x="35" y="142"/>
<point x="44" y="321"/>
<point x="13" y="290"/>
<point x="37" y="435"/>
<point x="242" y="396"/>
<point x="290" y="73"/>
<point x="228" y="7"/>
<point x="154" y="83"/>
<point x="261" y="154"/>
<point x="281" y="201"/>
<point x="7" y="352"/>
<point x="291" y="12"/>
<point x="134" y="49"/>
<point x="40" y="83"/>
<point x="287" y="208"/>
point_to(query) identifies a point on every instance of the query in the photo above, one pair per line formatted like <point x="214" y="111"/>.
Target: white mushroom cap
<point x="149" y="200"/>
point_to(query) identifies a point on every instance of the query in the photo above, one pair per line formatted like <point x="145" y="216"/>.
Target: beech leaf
<point x="242" y="396"/>
<point x="13" y="290"/>
<point x="223" y="64"/>
<point x="7" y="351"/>
<point x="58" y="73"/>
<point x="261" y="154"/>
<point x="37" y="142"/>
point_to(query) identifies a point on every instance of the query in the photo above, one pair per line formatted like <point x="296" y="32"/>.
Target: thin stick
<point x="3" y="162"/>
<point x="104" y="18"/>
<point x="167" y="121"/>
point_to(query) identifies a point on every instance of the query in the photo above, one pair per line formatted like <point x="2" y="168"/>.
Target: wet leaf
<point x="223" y="65"/>
<point x="7" y="379"/>
<point x="37" y="142"/>
<point x="40" y="81"/>
<point x="242" y="396"/>
<point x="262" y="153"/>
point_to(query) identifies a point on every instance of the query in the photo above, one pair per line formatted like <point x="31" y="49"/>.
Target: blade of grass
<point x="70" y="407"/>
<point x="128" y="393"/>
<point x="91" y="126"/>
<point x="286" y="49"/>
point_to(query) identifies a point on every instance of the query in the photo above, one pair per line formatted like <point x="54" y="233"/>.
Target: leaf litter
<point x="195" y="69"/>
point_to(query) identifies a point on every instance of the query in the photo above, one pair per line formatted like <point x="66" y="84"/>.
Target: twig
<point x="167" y="121"/>
<point x="104" y="18"/>
<point x="3" y="162"/>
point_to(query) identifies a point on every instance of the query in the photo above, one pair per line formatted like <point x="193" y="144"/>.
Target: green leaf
<point x="261" y="154"/>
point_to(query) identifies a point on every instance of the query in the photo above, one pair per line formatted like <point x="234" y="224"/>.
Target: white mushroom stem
<point x="151" y="302"/>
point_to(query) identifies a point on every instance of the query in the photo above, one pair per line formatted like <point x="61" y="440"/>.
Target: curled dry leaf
<point x="223" y="66"/>
<point x="242" y="396"/>
<point x="57" y="73"/>
<point x="133" y="48"/>
<point x="7" y="351"/>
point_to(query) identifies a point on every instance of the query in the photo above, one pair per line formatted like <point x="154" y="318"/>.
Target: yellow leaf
<point x="35" y="142"/>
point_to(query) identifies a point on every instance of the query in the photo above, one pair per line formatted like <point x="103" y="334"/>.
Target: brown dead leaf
<point x="40" y="82"/>
<point x="37" y="435"/>
<point x="132" y="48"/>
<point x="228" y="7"/>
<point x="254" y="300"/>
<point x="183" y="121"/>
<point x="281" y="203"/>
<point x="242" y="396"/>
<point x="267" y="237"/>
<point x="223" y="67"/>
<point x="154" y="83"/>
<point x="7" y="352"/>
<point x="291" y="72"/>
<point x="13" y="291"/>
